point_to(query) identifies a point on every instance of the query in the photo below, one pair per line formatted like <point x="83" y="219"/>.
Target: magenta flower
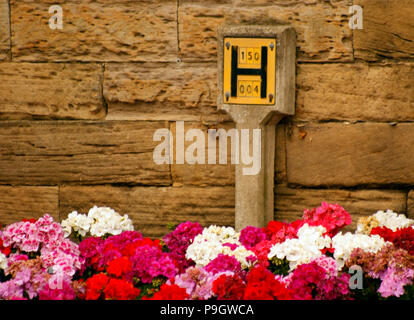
<point x="179" y="240"/>
<point x="250" y="236"/>
<point x="150" y="262"/>
<point x="223" y="263"/>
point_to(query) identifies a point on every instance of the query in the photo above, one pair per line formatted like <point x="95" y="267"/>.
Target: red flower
<point x="228" y="287"/>
<point x="262" y="285"/>
<point x="95" y="285"/>
<point x="29" y="220"/>
<point x="278" y="232"/>
<point x="401" y="238"/>
<point x="5" y="250"/>
<point x="273" y="227"/>
<point x="130" y="249"/>
<point x="119" y="267"/>
<point x="170" y="292"/>
<point x="118" y="289"/>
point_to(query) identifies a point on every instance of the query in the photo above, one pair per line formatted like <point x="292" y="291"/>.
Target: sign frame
<point x="285" y="70"/>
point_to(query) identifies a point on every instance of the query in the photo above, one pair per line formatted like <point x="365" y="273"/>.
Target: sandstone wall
<point x="79" y="106"/>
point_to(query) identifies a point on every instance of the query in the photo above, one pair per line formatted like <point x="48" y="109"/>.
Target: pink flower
<point x="312" y="282"/>
<point x="60" y="290"/>
<point x="179" y="240"/>
<point x="331" y="216"/>
<point x="223" y="263"/>
<point x="150" y="262"/>
<point x="250" y="236"/>
<point x="198" y="282"/>
<point x="261" y="250"/>
<point x="394" y="280"/>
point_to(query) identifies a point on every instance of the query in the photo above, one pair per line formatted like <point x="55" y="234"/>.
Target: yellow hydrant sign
<point x="249" y="71"/>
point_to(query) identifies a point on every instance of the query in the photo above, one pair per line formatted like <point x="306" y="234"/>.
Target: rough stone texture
<point x="322" y="26"/>
<point x="338" y="154"/>
<point x="154" y="91"/>
<point x="4" y="30"/>
<point x="410" y="204"/>
<point x="280" y="154"/>
<point x="355" y="92"/>
<point x="121" y="30"/>
<point x="203" y="174"/>
<point x="51" y="91"/>
<point x="152" y="208"/>
<point x="388" y="30"/>
<point x="17" y="203"/>
<point x="48" y="153"/>
<point x="290" y="203"/>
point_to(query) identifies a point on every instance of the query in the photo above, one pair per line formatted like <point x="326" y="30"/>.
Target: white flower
<point x="98" y="222"/>
<point x="393" y="220"/>
<point x="240" y="253"/>
<point x="203" y="250"/>
<point x="209" y="244"/>
<point x="302" y="250"/>
<point x="80" y="223"/>
<point x="108" y="221"/>
<point x="3" y="261"/>
<point x="345" y="244"/>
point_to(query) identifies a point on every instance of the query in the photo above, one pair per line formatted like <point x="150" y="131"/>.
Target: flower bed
<point x="99" y="256"/>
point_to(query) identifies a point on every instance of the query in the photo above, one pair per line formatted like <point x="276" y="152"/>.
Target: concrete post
<point x="255" y="193"/>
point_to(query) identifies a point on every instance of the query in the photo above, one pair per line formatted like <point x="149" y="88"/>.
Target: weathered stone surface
<point x="410" y="204"/>
<point x="121" y="30"/>
<point x="203" y="174"/>
<point x="280" y="155"/>
<point x="47" y="152"/>
<point x="152" y="208"/>
<point x="388" y="30"/>
<point x="17" y="203"/>
<point x="355" y="92"/>
<point x="350" y="154"/>
<point x="4" y="30"/>
<point x="290" y="203"/>
<point x="323" y="33"/>
<point x="155" y="91"/>
<point x="51" y="91"/>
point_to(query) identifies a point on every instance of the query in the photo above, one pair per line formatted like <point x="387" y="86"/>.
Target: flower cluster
<point x="318" y="280"/>
<point x="330" y="216"/>
<point x="393" y="266"/>
<point x="388" y="219"/>
<point x="344" y="244"/>
<point x="216" y="240"/>
<point x="39" y="260"/>
<point x="128" y="257"/>
<point x="307" y="259"/>
<point x="197" y="282"/>
<point x="102" y="286"/>
<point x="308" y="245"/>
<point x="99" y="221"/>
<point x="179" y="240"/>
<point x="259" y="284"/>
